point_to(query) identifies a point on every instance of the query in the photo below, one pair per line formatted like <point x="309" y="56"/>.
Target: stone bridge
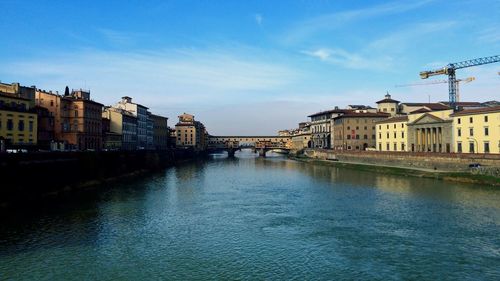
<point x="262" y="144"/>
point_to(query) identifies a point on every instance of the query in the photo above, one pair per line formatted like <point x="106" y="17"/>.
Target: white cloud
<point x="350" y="59"/>
<point x="171" y="78"/>
<point x="331" y="21"/>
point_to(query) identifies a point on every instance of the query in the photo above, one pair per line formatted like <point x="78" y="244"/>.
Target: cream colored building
<point x="388" y="105"/>
<point x="190" y="133"/>
<point x="477" y="130"/>
<point x="392" y="134"/>
<point x="421" y="131"/>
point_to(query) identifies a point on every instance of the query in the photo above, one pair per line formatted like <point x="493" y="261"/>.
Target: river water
<point x="251" y="218"/>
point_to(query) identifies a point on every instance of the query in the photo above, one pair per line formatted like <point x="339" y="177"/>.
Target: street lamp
<point x="477" y="144"/>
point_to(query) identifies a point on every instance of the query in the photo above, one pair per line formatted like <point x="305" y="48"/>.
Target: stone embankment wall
<point x="453" y="162"/>
<point x="27" y="177"/>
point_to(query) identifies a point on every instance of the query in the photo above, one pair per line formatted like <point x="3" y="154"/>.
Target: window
<point x="395" y="147"/>
<point x="373" y="137"/>
<point x="402" y="146"/>
<point x="380" y="146"/>
<point x="387" y="135"/>
<point x="357" y="137"/>
<point x="366" y="128"/>
<point x="76" y="113"/>
<point x="20" y="125"/>
<point x="394" y="126"/>
<point x="348" y="127"/>
<point x="486" y="118"/>
<point x="10" y="124"/>
<point x="365" y="137"/>
<point x="387" y="126"/>
<point x="380" y="127"/>
<point x="357" y="128"/>
<point x="486" y="131"/>
<point x="395" y="135"/>
<point x="486" y="147"/>
<point x="471" y="147"/>
<point x="392" y="109"/>
<point x="459" y="147"/>
<point x="31" y="126"/>
<point x="458" y="121"/>
<point x="459" y="132"/>
<point x="471" y="132"/>
<point x="348" y="137"/>
<point x="379" y="135"/>
<point x="402" y="125"/>
<point x="387" y="146"/>
<point x="51" y="103"/>
<point x="403" y="135"/>
<point x="470" y="120"/>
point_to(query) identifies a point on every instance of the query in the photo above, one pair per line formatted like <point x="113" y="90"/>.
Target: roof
<point x="463" y="103"/>
<point x="421" y="110"/>
<point x="363" y="114"/>
<point x="477" y="111"/>
<point x="330" y="111"/>
<point x="431" y="106"/>
<point x="387" y="100"/>
<point x="394" y="120"/>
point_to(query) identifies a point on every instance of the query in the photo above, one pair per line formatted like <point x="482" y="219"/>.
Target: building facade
<point x="477" y="130"/>
<point x="160" y="132"/>
<point x="77" y="119"/>
<point x="392" y="134"/>
<point x="18" y="121"/>
<point x="123" y="123"/>
<point x="190" y="133"/>
<point x="321" y="127"/>
<point x="388" y="105"/>
<point x="356" y="130"/>
<point x="141" y="113"/>
<point x="421" y="131"/>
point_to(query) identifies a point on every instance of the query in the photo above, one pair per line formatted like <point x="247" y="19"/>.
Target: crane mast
<point x="450" y="71"/>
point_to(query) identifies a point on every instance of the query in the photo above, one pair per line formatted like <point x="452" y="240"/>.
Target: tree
<point x="66" y="91"/>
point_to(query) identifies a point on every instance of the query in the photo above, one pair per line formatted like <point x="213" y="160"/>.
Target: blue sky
<point x="248" y="67"/>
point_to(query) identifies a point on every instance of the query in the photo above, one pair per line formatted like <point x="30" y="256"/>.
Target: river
<point x="252" y="218"/>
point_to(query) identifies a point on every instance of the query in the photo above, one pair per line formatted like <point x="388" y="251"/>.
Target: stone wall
<point x="28" y="177"/>
<point x="451" y="162"/>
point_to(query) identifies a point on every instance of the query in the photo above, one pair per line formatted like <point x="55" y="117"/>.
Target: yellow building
<point x="477" y="130"/>
<point x="420" y="131"/>
<point x="18" y="121"/>
<point x="392" y="134"/>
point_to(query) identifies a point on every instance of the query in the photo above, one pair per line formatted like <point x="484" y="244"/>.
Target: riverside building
<point x="355" y="130"/>
<point x="321" y="127"/>
<point x="18" y="119"/>
<point x="477" y="130"/>
<point x="77" y="118"/>
<point x="143" y="124"/>
<point x="123" y="123"/>
<point x="190" y="133"/>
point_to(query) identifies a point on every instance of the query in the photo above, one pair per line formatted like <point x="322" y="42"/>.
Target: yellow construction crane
<point x="457" y="81"/>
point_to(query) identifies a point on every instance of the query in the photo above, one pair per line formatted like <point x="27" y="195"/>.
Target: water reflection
<point x="249" y="217"/>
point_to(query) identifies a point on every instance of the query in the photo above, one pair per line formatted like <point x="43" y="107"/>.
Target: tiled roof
<point x="330" y="111"/>
<point x="364" y="114"/>
<point x="477" y="111"/>
<point x="387" y="100"/>
<point x="431" y="106"/>
<point x="394" y="120"/>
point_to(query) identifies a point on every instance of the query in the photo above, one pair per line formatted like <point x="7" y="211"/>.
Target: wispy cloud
<point x="180" y="76"/>
<point x="490" y="35"/>
<point x="350" y="60"/>
<point x="259" y="19"/>
<point x="332" y="21"/>
<point x="381" y="53"/>
<point x="116" y="37"/>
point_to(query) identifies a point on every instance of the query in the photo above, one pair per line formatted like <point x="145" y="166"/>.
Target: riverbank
<point x="35" y="179"/>
<point x="472" y="175"/>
